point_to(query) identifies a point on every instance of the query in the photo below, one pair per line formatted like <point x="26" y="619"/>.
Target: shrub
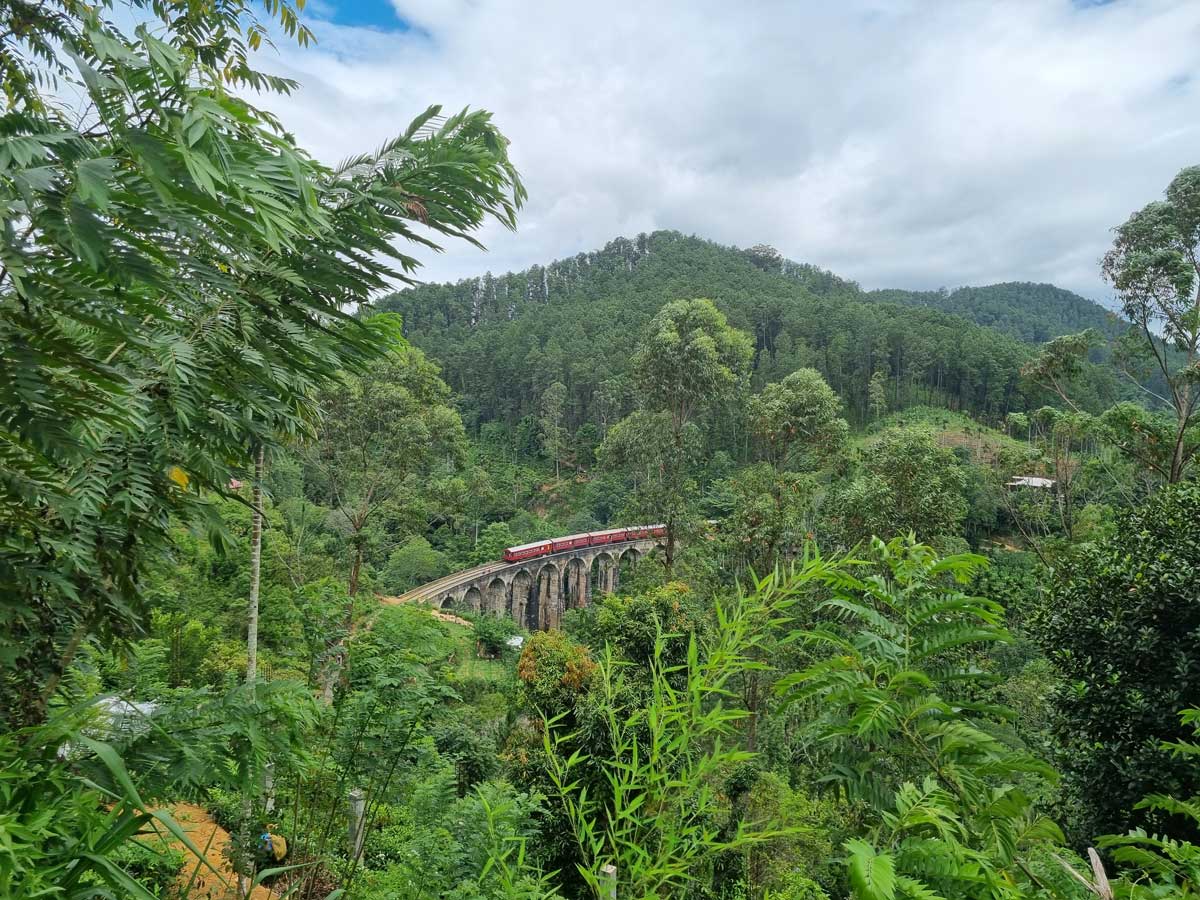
<point x="1122" y="627"/>
<point x="554" y="671"/>
<point x="492" y="634"/>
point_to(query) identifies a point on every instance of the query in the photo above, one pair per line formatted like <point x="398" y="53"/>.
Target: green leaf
<point x="872" y="874"/>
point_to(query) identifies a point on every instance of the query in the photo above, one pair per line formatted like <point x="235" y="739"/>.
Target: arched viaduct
<point x="535" y="592"/>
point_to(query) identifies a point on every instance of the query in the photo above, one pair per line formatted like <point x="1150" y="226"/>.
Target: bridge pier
<point x="577" y="586"/>
<point x="549" y="598"/>
<point x="609" y="575"/>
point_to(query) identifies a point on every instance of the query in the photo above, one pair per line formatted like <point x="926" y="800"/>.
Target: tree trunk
<point x="255" y="570"/>
<point x="252" y="634"/>
<point x="669" y="556"/>
<point x="1177" y="460"/>
<point x="336" y="663"/>
<point x="355" y="571"/>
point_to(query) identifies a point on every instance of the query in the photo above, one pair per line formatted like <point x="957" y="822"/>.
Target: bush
<point x="155" y="867"/>
<point x="554" y="671"/>
<point x="492" y="634"/>
<point x="1122" y="627"/>
<point x="225" y="807"/>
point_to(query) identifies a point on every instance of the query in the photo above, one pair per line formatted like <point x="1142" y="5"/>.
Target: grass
<point x="953" y="429"/>
<point x="469" y="663"/>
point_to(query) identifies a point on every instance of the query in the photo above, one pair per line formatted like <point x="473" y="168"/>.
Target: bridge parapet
<point x="535" y="592"/>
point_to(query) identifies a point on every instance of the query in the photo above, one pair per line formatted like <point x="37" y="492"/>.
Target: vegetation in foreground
<point x="982" y="684"/>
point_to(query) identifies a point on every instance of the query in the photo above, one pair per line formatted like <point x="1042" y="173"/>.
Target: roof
<point x="529" y="546"/>
<point x="1031" y="481"/>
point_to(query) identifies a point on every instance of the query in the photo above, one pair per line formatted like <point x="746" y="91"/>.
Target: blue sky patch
<point x="379" y="14"/>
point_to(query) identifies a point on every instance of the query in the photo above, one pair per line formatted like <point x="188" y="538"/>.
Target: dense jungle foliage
<point x="922" y="623"/>
<point x="503" y="340"/>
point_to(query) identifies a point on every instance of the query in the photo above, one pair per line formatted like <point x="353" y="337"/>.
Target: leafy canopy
<point x="175" y="275"/>
<point x="950" y="808"/>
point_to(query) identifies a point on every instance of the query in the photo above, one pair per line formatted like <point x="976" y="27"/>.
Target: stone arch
<point x="606" y="569"/>
<point x="495" y="598"/>
<point x="518" y="597"/>
<point x="472" y="599"/>
<point x="627" y="563"/>
<point x="545" y="603"/>
<point x="576" y="583"/>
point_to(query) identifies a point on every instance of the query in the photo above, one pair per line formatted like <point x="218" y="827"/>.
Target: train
<point x="587" y="539"/>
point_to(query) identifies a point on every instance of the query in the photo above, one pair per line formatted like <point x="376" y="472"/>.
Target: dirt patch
<point x="436" y="613"/>
<point x="984" y="448"/>
<point x="197" y="880"/>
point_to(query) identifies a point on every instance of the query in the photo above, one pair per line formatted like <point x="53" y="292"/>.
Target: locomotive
<point x="587" y="539"/>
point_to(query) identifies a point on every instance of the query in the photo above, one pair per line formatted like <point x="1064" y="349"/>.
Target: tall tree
<point x="797" y="422"/>
<point x="550" y="422"/>
<point x="173" y="277"/>
<point x="908" y="483"/>
<point x="798" y="429"/>
<point x="382" y="431"/>
<point x="690" y="360"/>
<point x="1154" y="264"/>
<point x="659" y="466"/>
<point x="1122" y="625"/>
<point x="877" y="403"/>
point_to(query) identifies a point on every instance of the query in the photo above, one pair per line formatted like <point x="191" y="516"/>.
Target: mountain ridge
<point x="502" y="340"/>
<point x="978" y="303"/>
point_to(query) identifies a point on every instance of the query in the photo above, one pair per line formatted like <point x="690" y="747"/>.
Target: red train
<point x="589" y="539"/>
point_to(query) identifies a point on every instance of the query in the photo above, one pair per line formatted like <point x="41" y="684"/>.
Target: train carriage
<point x="589" y="539"/>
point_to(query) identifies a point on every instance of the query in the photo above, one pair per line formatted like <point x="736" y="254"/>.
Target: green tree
<point x="765" y="515"/>
<point x="173" y="277"/>
<point x="555" y="672"/>
<point x="949" y="806"/>
<point x="413" y="563"/>
<point x="659" y="468"/>
<point x="1156" y="867"/>
<point x="1154" y="264"/>
<point x="877" y="402"/>
<point x="798" y="422"/>
<point x="382" y="430"/>
<point x="493" y="541"/>
<point x="767" y="508"/>
<point x="1121" y="625"/>
<point x="550" y="422"/>
<point x="689" y="360"/>
<point x="908" y="483"/>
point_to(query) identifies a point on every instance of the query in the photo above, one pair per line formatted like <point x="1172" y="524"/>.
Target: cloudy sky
<point x="908" y="144"/>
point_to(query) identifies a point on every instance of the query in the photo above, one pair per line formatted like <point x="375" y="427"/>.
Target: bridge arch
<point x="545" y="604"/>
<point x="627" y="562"/>
<point x="496" y="599"/>
<point x="577" y="583"/>
<point x="469" y="600"/>
<point x="606" y="571"/>
<point x="518" y="598"/>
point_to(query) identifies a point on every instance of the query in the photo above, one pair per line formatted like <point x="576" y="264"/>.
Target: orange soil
<point x="210" y="838"/>
<point x="436" y="613"/>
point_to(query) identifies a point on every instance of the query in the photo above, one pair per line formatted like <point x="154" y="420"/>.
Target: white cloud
<point x="899" y="143"/>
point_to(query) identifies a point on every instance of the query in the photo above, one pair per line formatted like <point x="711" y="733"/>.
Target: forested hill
<point x="502" y="340"/>
<point x="1026" y="310"/>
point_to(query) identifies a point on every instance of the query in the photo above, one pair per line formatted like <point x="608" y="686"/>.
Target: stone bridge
<point x="535" y="592"/>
